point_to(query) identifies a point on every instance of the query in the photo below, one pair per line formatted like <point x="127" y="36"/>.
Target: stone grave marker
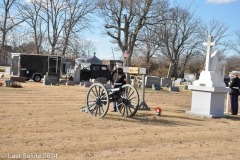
<point x="70" y="83"/>
<point x="155" y="87"/>
<point x="178" y="81"/>
<point x="174" y="88"/>
<point x="102" y="80"/>
<point x="87" y="84"/>
<point x="18" y="79"/>
<point x="63" y="81"/>
<point x="166" y="81"/>
<point x="189" y="78"/>
<point x="50" y="80"/>
<point x="8" y="70"/>
<point x="150" y="80"/>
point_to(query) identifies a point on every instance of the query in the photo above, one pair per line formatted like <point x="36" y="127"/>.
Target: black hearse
<point x="35" y="66"/>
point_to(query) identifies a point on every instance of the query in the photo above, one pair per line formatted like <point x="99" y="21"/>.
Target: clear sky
<point x="226" y="11"/>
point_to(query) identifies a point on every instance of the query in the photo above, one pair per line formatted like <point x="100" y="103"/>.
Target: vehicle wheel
<point x="37" y="78"/>
<point x="85" y="77"/>
<point x="97" y="100"/>
<point x="130" y="101"/>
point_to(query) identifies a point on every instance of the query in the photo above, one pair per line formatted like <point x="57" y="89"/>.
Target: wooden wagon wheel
<point x="128" y="106"/>
<point x="97" y="100"/>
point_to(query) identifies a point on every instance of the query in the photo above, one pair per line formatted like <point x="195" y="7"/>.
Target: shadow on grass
<point x="234" y="117"/>
<point x="166" y="120"/>
<point x="150" y="119"/>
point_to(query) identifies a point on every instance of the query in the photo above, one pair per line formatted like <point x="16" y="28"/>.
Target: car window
<point x="104" y="68"/>
<point x="95" y="68"/>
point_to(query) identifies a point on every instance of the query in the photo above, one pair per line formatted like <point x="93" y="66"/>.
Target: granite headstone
<point x="150" y="80"/>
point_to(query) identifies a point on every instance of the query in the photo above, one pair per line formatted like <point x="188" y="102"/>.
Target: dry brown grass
<point x="45" y="119"/>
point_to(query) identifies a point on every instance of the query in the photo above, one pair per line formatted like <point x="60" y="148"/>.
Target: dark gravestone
<point x="102" y="80"/>
<point x="166" y="82"/>
<point x="50" y="80"/>
<point x="70" y="83"/>
<point x="18" y="79"/>
<point x="149" y="81"/>
<point x="53" y="74"/>
<point x="87" y="84"/>
<point x="175" y="89"/>
<point x="63" y="81"/>
<point x="155" y="87"/>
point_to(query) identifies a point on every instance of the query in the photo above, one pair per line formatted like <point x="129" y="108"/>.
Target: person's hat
<point x="119" y="65"/>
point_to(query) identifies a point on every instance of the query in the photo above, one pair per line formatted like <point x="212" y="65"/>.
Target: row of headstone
<point x="150" y="80"/>
<point x="155" y="82"/>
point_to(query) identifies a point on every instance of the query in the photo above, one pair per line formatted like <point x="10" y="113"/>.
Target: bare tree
<point x="8" y="21"/>
<point x="236" y="46"/>
<point x="77" y="19"/>
<point x="179" y="37"/>
<point x="148" y="44"/>
<point x="31" y="12"/>
<point x="218" y="30"/>
<point x="79" y="48"/>
<point x="65" y="18"/>
<point x="233" y="64"/>
<point x="86" y="47"/>
<point x="124" y="19"/>
<point x="54" y="17"/>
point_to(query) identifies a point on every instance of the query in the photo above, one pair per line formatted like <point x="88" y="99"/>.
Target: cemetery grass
<point x="40" y="120"/>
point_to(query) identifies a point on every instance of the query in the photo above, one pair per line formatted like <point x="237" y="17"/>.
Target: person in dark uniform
<point x="234" y="85"/>
<point x="118" y="79"/>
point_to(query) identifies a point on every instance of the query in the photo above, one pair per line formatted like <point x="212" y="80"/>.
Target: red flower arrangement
<point x="1" y="84"/>
<point x="158" y="111"/>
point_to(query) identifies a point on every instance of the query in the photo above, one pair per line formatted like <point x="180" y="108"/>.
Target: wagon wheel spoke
<point x="130" y="103"/>
<point x="97" y="94"/>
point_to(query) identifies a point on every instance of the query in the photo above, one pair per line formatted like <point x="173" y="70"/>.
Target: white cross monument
<point x="209" y="45"/>
<point x="208" y="93"/>
<point x="209" y="77"/>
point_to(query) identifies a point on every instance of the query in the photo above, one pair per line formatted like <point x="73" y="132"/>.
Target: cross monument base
<point x="208" y="101"/>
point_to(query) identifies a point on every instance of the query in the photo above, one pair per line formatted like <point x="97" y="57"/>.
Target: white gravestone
<point x="77" y="71"/>
<point x="208" y="93"/>
<point x="189" y="78"/>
